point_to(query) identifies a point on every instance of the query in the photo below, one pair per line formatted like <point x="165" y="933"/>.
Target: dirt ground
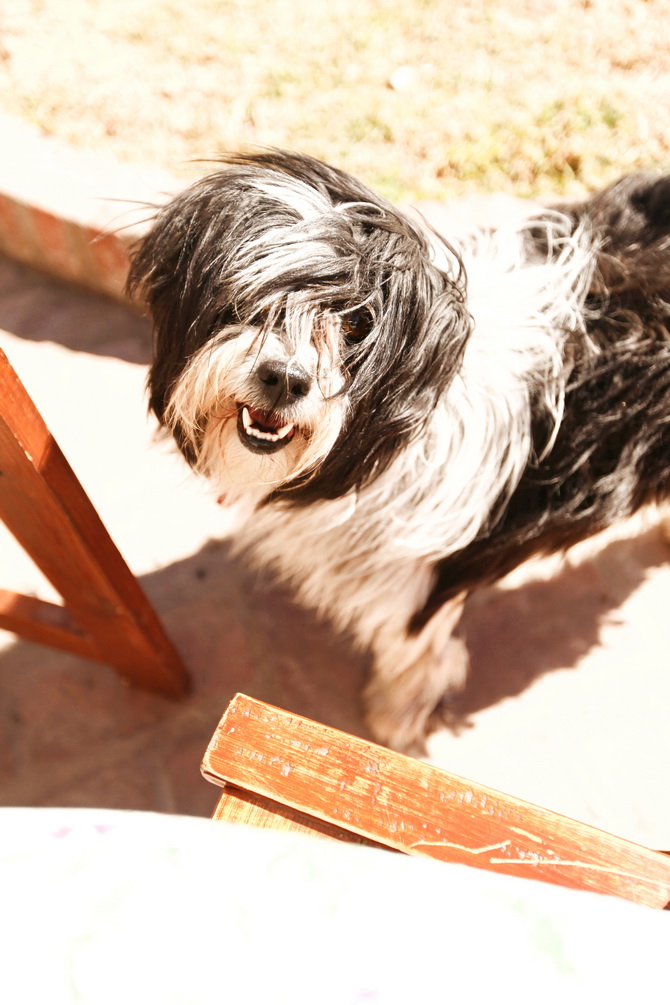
<point x="426" y="99"/>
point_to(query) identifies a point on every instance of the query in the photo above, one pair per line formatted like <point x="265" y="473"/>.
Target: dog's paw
<point x="404" y="735"/>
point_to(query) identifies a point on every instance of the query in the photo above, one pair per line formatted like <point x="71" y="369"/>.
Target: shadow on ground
<point x="42" y="309"/>
<point x="71" y="733"/>
<point x="75" y="735"/>
<point x="515" y="636"/>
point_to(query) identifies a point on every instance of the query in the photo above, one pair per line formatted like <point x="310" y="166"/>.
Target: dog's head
<point x="304" y="328"/>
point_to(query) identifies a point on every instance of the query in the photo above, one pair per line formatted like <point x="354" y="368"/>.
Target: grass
<point x="421" y="98"/>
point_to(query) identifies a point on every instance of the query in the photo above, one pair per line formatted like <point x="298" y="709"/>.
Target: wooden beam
<point x="419" y="809"/>
<point x="239" y="806"/>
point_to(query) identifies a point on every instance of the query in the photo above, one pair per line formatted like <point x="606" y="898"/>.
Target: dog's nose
<point x="283" y="383"/>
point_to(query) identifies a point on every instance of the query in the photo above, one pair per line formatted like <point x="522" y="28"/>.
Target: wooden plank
<point x="39" y="621"/>
<point x="242" y="807"/>
<point x="419" y="809"/>
<point x="46" y="509"/>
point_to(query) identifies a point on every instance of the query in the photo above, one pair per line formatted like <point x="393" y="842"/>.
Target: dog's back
<point x="611" y="453"/>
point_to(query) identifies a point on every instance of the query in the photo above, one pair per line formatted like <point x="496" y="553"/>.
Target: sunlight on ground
<point x="423" y="100"/>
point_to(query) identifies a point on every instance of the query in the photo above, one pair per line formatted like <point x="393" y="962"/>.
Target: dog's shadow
<point x="516" y="635"/>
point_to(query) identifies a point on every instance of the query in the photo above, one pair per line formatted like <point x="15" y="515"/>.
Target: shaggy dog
<point x="403" y="418"/>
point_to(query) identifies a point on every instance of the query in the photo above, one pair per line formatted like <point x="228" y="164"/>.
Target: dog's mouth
<point x="263" y="432"/>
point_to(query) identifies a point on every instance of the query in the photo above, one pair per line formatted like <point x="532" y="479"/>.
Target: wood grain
<point x="242" y="807"/>
<point x="46" y="509"/>
<point x="39" y="621"/>
<point x="419" y="809"/>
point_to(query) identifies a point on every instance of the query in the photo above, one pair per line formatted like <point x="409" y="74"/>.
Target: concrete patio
<point x="568" y="698"/>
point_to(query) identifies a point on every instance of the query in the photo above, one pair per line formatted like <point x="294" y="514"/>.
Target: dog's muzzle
<point x="262" y="431"/>
<point x="278" y="385"/>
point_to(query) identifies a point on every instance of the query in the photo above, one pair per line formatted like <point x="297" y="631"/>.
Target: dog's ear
<point x="408" y="363"/>
<point x="176" y="272"/>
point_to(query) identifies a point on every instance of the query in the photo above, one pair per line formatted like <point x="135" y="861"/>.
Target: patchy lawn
<point x="421" y="98"/>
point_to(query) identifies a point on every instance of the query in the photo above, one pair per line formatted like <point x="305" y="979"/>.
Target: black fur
<point x="612" y="452"/>
<point x="186" y="267"/>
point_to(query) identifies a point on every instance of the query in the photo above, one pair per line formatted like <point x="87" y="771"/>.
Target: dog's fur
<point x="404" y="419"/>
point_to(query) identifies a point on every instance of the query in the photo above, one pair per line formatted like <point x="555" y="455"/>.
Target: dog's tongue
<point x="265" y="421"/>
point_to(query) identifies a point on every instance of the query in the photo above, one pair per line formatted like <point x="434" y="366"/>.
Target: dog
<point x="404" y="418"/>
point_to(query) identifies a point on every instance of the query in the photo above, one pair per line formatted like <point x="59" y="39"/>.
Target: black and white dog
<point x="404" y="418"/>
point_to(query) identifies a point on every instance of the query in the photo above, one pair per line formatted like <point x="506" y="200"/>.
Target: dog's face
<point x="304" y="328"/>
<point x="262" y="403"/>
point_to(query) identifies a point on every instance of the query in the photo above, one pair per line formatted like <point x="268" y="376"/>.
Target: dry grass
<point x="527" y="96"/>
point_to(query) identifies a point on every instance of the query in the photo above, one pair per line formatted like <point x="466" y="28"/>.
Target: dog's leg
<point x="411" y="676"/>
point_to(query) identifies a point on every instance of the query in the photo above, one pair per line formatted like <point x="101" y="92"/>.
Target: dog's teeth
<point x="279" y="434"/>
<point x="263" y="434"/>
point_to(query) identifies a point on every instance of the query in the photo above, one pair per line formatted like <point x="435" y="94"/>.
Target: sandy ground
<point x="568" y="695"/>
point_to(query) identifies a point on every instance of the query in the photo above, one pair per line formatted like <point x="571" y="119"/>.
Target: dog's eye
<point x="356" y="325"/>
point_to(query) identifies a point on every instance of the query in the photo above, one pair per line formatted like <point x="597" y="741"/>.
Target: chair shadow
<point x="73" y="734"/>
<point x="290" y="657"/>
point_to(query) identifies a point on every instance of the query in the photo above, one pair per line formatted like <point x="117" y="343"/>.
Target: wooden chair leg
<point x="107" y="616"/>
